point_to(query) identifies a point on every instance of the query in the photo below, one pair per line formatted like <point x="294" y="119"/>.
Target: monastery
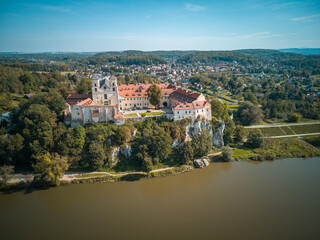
<point x="109" y="100"/>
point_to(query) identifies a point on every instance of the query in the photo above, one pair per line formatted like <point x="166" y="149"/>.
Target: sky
<point x="114" y="25"/>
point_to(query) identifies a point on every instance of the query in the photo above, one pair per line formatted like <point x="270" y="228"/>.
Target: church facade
<point x="109" y="100"/>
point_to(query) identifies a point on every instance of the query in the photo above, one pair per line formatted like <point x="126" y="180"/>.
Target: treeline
<point x="295" y="60"/>
<point x="208" y="57"/>
<point x="126" y="58"/>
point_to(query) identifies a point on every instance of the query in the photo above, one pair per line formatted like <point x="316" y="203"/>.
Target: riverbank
<point x="272" y="150"/>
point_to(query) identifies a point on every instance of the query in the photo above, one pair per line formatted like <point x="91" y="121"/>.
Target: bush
<point x="295" y="117"/>
<point x="227" y="155"/>
<point x="255" y="139"/>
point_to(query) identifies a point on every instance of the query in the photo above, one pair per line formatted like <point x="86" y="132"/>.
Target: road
<point x="282" y="125"/>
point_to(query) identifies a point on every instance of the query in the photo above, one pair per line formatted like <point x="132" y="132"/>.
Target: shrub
<point x="227" y="155"/>
<point x="255" y="139"/>
<point x="295" y="117"/>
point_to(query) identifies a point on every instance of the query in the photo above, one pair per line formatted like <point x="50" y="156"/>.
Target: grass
<point x="278" y="148"/>
<point x="131" y="115"/>
<point x="290" y="130"/>
<point x="151" y="114"/>
<point x="313" y="140"/>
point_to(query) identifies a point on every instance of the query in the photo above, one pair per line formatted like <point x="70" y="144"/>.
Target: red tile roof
<point x="193" y="105"/>
<point x="118" y="116"/>
<point x="141" y="90"/>
<point x="73" y="99"/>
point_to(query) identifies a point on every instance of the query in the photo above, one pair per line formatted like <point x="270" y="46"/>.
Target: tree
<point x="50" y="168"/>
<point x="96" y="155"/>
<point x="226" y="155"/>
<point x="187" y="153"/>
<point x="218" y="109"/>
<point x="239" y="133"/>
<point x="248" y="113"/>
<point x="84" y="86"/>
<point x="5" y="172"/>
<point x="202" y="143"/>
<point x="295" y="117"/>
<point x="154" y="94"/>
<point x="255" y="139"/>
<point x="122" y="135"/>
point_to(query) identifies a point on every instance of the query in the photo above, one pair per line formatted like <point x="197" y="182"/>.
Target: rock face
<point x="196" y="127"/>
<point x="126" y="152"/>
<point x="115" y="156"/>
<point x="200" y="163"/>
<point x="176" y="143"/>
<point x="218" y="136"/>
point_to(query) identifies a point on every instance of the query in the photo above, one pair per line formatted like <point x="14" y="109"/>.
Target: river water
<point x="268" y="200"/>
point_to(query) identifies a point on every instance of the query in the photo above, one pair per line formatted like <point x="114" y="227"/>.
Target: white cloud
<point x="305" y="18"/>
<point x="194" y="8"/>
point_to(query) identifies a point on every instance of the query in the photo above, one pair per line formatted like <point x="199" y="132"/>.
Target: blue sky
<point x="80" y="25"/>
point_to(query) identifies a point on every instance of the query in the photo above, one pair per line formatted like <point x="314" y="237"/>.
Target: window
<point x="126" y="104"/>
<point x="113" y="85"/>
<point x="95" y="89"/>
<point x="105" y="87"/>
<point x="78" y="113"/>
<point x="105" y="96"/>
<point x="95" y="84"/>
<point x="186" y="111"/>
<point x="114" y="89"/>
<point x="178" y="113"/>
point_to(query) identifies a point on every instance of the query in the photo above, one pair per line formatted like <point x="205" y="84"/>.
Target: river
<point x="239" y="200"/>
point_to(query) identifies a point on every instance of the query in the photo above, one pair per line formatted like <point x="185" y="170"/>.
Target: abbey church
<point x="109" y="100"/>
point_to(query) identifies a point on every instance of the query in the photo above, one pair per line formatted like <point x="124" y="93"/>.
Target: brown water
<point x="269" y="200"/>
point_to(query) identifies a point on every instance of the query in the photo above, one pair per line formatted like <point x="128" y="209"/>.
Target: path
<point x="294" y="135"/>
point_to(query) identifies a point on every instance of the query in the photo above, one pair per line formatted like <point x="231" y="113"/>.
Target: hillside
<point x="207" y="57"/>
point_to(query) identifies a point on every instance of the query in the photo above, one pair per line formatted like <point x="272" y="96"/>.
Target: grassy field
<point x="151" y="114"/>
<point x="278" y="148"/>
<point x="131" y="115"/>
<point x="290" y="130"/>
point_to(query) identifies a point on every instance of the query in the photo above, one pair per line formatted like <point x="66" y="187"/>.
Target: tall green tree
<point x="50" y="168"/>
<point x="154" y="94"/>
<point x="5" y="172"/>
<point x="84" y="86"/>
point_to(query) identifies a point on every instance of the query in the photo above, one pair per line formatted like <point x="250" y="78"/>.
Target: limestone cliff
<point x="196" y="127"/>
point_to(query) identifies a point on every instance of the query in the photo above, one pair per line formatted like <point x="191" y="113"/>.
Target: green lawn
<point x="151" y="114"/>
<point x="131" y="115"/>
<point x="278" y="148"/>
<point x="291" y="130"/>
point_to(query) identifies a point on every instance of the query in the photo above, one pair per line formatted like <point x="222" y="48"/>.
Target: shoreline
<point x="107" y="177"/>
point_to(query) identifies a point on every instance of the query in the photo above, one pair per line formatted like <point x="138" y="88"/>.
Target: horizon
<point x="83" y="26"/>
<point x="185" y="50"/>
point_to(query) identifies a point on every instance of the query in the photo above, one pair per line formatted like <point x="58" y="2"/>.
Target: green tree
<point x="255" y="139"/>
<point x="226" y="155"/>
<point x="96" y="155"/>
<point x="154" y="94"/>
<point x="122" y="135"/>
<point x="295" y="117"/>
<point x="218" y="109"/>
<point x="201" y="143"/>
<point x="187" y="153"/>
<point x="49" y="169"/>
<point x="248" y="113"/>
<point x="5" y="172"/>
<point x="84" y="86"/>
<point x="239" y="133"/>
